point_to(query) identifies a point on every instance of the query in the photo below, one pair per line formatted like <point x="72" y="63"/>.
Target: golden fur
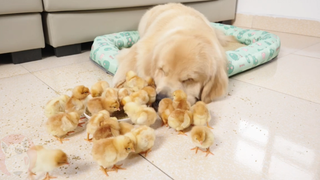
<point x="179" y="50"/>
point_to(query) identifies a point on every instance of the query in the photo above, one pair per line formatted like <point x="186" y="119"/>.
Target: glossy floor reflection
<point x="266" y="128"/>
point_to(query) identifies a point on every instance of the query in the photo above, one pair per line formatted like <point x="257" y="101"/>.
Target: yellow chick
<point x="202" y="137"/>
<point x="201" y="114"/>
<point x="98" y="88"/>
<point x="110" y="101"/>
<point x="62" y="124"/>
<point x="97" y="104"/>
<point x="140" y="97"/>
<point x="107" y="152"/>
<point x="143" y="138"/>
<point x="43" y="160"/>
<point x="150" y="82"/>
<point x="122" y="93"/>
<point x="77" y="101"/>
<point x="103" y="132"/>
<point x="165" y="109"/>
<point x="140" y="114"/>
<point x="56" y="105"/>
<point x="151" y="94"/>
<point x="95" y="122"/>
<point x="125" y="127"/>
<point x="180" y="100"/>
<point x="180" y="120"/>
<point x="133" y="82"/>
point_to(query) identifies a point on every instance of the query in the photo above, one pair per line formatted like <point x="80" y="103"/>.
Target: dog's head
<point x="191" y="64"/>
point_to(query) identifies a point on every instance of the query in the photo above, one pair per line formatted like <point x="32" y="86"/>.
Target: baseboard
<point x="287" y="25"/>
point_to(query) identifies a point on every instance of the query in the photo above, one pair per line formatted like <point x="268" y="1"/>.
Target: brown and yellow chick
<point x="43" y="160"/>
<point x="180" y="120"/>
<point x="107" y="152"/>
<point x="140" y="97"/>
<point x="180" y="100"/>
<point x="202" y="137"/>
<point x="165" y="109"/>
<point x="134" y="82"/>
<point x="108" y="101"/>
<point x="151" y="94"/>
<point x="140" y="114"/>
<point x="125" y="127"/>
<point x="150" y="82"/>
<point x="201" y="114"/>
<point x="98" y="88"/>
<point x="56" y="105"/>
<point x="143" y="138"/>
<point x="122" y="93"/>
<point x="77" y="101"/>
<point x="62" y="124"/>
<point x="95" y="122"/>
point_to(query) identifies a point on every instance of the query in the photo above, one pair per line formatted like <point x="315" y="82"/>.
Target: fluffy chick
<point x="180" y="100"/>
<point x="140" y="114"/>
<point x="151" y="94"/>
<point x="77" y="101"/>
<point x="95" y="122"/>
<point x="202" y="137"/>
<point x="56" y="105"/>
<point x="122" y="93"/>
<point x="109" y="129"/>
<point x="143" y="138"/>
<point x="97" y="104"/>
<point x="150" y="82"/>
<point x="201" y="114"/>
<point x="98" y="88"/>
<point x="45" y="160"/>
<point x="140" y="97"/>
<point x="180" y="120"/>
<point x="107" y="152"/>
<point x="62" y="124"/>
<point x="165" y="109"/>
<point x="125" y="127"/>
<point x="134" y="82"/>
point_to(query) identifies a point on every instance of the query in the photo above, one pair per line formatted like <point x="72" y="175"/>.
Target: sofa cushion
<point x="20" y="6"/>
<point x="73" y="5"/>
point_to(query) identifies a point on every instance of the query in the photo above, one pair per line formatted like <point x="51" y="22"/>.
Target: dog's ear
<point x="216" y="86"/>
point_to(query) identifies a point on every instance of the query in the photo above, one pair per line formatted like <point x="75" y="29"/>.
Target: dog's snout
<point x="161" y="96"/>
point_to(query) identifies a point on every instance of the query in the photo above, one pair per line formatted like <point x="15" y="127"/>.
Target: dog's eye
<point x="188" y="80"/>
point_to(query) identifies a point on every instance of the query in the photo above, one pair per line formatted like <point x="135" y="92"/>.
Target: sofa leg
<point x="67" y="50"/>
<point x="26" y="56"/>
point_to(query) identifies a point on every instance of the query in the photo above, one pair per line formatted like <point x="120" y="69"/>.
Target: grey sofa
<point x="68" y="23"/>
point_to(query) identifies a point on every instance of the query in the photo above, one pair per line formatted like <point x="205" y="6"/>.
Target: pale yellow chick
<point x="107" y="152"/>
<point x="140" y="97"/>
<point x="133" y="82"/>
<point x="43" y="160"/>
<point x="201" y="114"/>
<point x="98" y="88"/>
<point x="180" y="120"/>
<point x="165" y="109"/>
<point x="180" y="100"/>
<point x="95" y="122"/>
<point x="108" y="129"/>
<point x="97" y="104"/>
<point x="122" y="93"/>
<point x="140" y="114"/>
<point x="151" y="94"/>
<point x="77" y="101"/>
<point x="125" y="127"/>
<point x="202" y="137"/>
<point x="150" y="82"/>
<point x="62" y="124"/>
<point x="143" y="138"/>
<point x="56" y="105"/>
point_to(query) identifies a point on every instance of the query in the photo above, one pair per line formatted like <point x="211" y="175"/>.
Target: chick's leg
<point x="48" y="177"/>
<point x="105" y="170"/>
<point x="60" y="139"/>
<point x="88" y="139"/>
<point x="145" y="152"/>
<point x="209" y="126"/>
<point x="80" y="124"/>
<point x="117" y="167"/>
<point x="182" y="133"/>
<point x="208" y="152"/>
<point x="196" y="148"/>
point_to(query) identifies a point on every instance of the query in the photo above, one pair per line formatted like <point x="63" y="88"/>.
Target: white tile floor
<point x="268" y="128"/>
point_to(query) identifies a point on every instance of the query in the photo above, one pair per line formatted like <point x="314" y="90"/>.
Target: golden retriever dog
<point x="180" y="50"/>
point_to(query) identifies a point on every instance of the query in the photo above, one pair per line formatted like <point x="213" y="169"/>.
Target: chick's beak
<point x="133" y="150"/>
<point x="201" y="142"/>
<point x="67" y="163"/>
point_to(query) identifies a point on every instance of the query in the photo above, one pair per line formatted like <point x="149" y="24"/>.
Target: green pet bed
<point x="261" y="48"/>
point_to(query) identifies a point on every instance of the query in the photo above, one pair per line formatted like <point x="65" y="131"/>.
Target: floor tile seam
<point x="156" y="167"/>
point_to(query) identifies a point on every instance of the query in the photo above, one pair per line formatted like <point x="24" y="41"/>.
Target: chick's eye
<point x="128" y="148"/>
